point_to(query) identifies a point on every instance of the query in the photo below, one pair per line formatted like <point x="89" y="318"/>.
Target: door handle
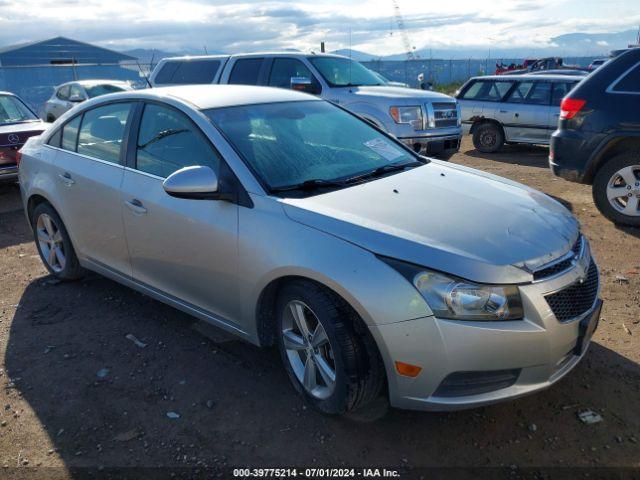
<point x="66" y="179"/>
<point x="136" y="206"/>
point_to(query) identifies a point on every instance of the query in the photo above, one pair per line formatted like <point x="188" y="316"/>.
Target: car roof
<point x="526" y="76"/>
<point x="89" y="83"/>
<point x="204" y="97"/>
<point x="251" y="55"/>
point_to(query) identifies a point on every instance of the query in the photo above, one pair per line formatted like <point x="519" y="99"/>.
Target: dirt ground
<point x="75" y="393"/>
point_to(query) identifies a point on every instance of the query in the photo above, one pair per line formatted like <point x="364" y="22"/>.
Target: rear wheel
<point x="616" y="189"/>
<point x="488" y="138"/>
<point x="328" y="353"/>
<point x="54" y="244"/>
<point x="50" y="118"/>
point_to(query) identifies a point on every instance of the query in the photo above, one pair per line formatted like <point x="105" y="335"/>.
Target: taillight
<point x="570" y="107"/>
<point x="18" y="157"/>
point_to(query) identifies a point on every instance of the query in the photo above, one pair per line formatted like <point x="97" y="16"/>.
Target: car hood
<point x="400" y="92"/>
<point x="449" y="218"/>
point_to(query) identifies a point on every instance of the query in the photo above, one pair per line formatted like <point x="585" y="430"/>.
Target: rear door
<point x="90" y="169"/>
<point x="184" y="248"/>
<point x="525" y="112"/>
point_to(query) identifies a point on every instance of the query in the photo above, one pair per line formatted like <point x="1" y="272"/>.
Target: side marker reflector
<point x="408" y="370"/>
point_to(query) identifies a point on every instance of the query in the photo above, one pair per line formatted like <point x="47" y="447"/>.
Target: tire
<point x="349" y="349"/>
<point x="46" y="223"/>
<point x="612" y="174"/>
<point x="50" y="118"/>
<point x="488" y="138"/>
<point x="445" y="156"/>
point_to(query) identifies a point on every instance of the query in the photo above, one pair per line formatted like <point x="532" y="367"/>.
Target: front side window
<point x="70" y="134"/>
<point x="187" y="72"/>
<point x="289" y="143"/>
<point x="102" y="131"/>
<point x="246" y="71"/>
<point x="63" y="92"/>
<point x="169" y="141"/>
<point x="284" y="69"/>
<point x="12" y="110"/>
<point x="97" y="90"/>
<point x="344" y="72"/>
<point x="487" y="90"/>
<point x="630" y="82"/>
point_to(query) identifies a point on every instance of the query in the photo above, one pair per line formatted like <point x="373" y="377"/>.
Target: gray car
<point x="68" y="95"/>
<point x="500" y="109"/>
<point x="288" y="221"/>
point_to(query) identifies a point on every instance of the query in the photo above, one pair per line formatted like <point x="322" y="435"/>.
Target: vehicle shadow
<point x="516" y="154"/>
<point x="104" y="400"/>
<point x="14" y="229"/>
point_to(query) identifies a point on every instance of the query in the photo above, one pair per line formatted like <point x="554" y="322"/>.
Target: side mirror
<point x="192" y="182"/>
<point x="76" y="98"/>
<point x="304" y="84"/>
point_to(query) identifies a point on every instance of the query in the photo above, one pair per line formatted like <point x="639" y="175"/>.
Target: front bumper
<point x="540" y="348"/>
<point x="434" y="145"/>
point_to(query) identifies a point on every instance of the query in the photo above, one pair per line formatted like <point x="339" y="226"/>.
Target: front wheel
<point x="616" y="189"/>
<point x="327" y="351"/>
<point x="488" y="138"/>
<point x="53" y="243"/>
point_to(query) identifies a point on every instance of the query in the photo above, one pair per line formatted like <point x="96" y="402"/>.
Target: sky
<point x="366" y="25"/>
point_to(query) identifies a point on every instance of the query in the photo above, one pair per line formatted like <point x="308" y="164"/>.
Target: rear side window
<point x="70" y="134"/>
<point x="560" y="91"/>
<point x="532" y="93"/>
<point x="487" y="90"/>
<point x="630" y="82"/>
<point x="187" y="72"/>
<point x="169" y="141"/>
<point x="245" y="71"/>
<point x="102" y="131"/>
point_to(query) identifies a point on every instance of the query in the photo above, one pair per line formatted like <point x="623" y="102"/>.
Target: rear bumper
<point x="539" y="349"/>
<point x="570" y="153"/>
<point x="8" y="173"/>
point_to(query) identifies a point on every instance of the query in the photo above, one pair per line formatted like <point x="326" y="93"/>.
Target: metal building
<point x="31" y="70"/>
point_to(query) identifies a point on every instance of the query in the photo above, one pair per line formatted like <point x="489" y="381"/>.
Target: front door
<point x="184" y="248"/>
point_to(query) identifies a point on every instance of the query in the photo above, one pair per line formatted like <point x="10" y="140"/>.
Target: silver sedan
<point x="288" y="221"/>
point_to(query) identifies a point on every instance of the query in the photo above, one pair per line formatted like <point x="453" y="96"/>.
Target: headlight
<point x="458" y="299"/>
<point x="411" y="115"/>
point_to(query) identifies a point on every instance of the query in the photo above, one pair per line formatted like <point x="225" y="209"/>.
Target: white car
<point x="67" y="95"/>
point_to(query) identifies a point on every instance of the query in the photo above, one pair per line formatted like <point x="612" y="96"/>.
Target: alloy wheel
<point x="488" y="139"/>
<point x="51" y="243"/>
<point x="308" y="350"/>
<point x="623" y="190"/>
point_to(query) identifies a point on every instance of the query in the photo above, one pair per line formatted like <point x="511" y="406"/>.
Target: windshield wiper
<point x="378" y="172"/>
<point x="312" y="184"/>
<point x="163" y="134"/>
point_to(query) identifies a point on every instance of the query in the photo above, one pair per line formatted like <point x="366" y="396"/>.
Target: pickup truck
<point x="427" y="122"/>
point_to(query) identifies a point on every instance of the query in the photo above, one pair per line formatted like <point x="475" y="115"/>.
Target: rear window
<point x="245" y="71"/>
<point x="630" y="82"/>
<point x="487" y="90"/>
<point x="187" y="72"/>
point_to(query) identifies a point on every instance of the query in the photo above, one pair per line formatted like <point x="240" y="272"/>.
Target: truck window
<point x="187" y="72"/>
<point x="283" y="69"/>
<point x="245" y="71"/>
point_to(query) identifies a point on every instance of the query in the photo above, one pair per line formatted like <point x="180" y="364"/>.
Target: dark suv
<point x="598" y="137"/>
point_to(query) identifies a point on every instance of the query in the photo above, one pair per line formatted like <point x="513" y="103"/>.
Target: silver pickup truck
<point x="428" y="122"/>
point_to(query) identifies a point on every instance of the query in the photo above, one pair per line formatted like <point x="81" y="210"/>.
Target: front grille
<point x="445" y="114"/>
<point x="577" y="299"/>
<point x="556" y="268"/>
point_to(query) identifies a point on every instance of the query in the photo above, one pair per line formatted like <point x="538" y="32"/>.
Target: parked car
<point x="562" y="71"/>
<point x="597" y="63"/>
<point x="67" y="95"/>
<point x="17" y="123"/>
<point x="598" y="137"/>
<point x="289" y="221"/>
<point x="428" y="122"/>
<point x="512" y="109"/>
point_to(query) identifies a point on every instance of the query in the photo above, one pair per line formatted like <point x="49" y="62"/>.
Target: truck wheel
<point x="326" y="349"/>
<point x="488" y="138"/>
<point x="53" y="243"/>
<point x="616" y="189"/>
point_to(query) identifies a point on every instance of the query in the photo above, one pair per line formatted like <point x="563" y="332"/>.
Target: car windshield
<point x="97" y="90"/>
<point x="12" y="110"/>
<point x="287" y="144"/>
<point x="344" y="72"/>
